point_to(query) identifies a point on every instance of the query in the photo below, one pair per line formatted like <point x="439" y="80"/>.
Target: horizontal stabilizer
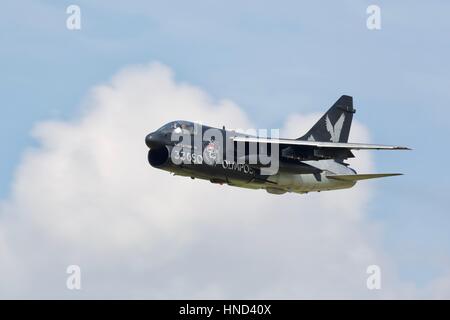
<point x="357" y="177"/>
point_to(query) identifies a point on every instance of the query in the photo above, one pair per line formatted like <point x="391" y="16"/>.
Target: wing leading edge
<point x="318" y="144"/>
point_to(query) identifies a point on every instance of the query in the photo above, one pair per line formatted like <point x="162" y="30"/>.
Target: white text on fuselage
<point x="188" y="157"/>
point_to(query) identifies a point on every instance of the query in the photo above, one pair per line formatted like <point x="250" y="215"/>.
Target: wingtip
<point x="392" y="174"/>
<point x="403" y="148"/>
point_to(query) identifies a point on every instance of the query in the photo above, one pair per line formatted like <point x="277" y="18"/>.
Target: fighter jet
<point x="312" y="162"/>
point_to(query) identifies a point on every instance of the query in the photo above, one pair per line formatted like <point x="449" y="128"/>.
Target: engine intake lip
<point x="157" y="157"/>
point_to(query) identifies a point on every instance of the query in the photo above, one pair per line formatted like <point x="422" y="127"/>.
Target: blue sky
<point x="273" y="60"/>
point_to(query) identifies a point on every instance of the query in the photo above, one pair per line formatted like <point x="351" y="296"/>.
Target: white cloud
<point x="87" y="196"/>
<point x="439" y="288"/>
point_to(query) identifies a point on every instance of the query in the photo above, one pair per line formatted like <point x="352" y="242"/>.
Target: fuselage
<point x="206" y="156"/>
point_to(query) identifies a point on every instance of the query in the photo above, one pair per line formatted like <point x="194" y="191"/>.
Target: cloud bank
<point x="87" y="196"/>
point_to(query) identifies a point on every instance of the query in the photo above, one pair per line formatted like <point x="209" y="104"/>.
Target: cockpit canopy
<point x="179" y="127"/>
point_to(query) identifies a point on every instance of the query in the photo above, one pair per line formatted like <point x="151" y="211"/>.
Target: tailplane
<point x="357" y="177"/>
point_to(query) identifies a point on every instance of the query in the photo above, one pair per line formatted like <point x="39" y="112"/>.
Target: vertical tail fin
<point x="335" y="123"/>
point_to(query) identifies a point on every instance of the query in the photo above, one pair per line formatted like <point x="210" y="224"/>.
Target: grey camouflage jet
<point x="313" y="162"/>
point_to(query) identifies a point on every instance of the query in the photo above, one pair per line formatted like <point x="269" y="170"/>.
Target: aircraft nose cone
<point x="151" y="140"/>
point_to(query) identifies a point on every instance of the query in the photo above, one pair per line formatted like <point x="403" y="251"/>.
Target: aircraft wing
<point x="318" y="144"/>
